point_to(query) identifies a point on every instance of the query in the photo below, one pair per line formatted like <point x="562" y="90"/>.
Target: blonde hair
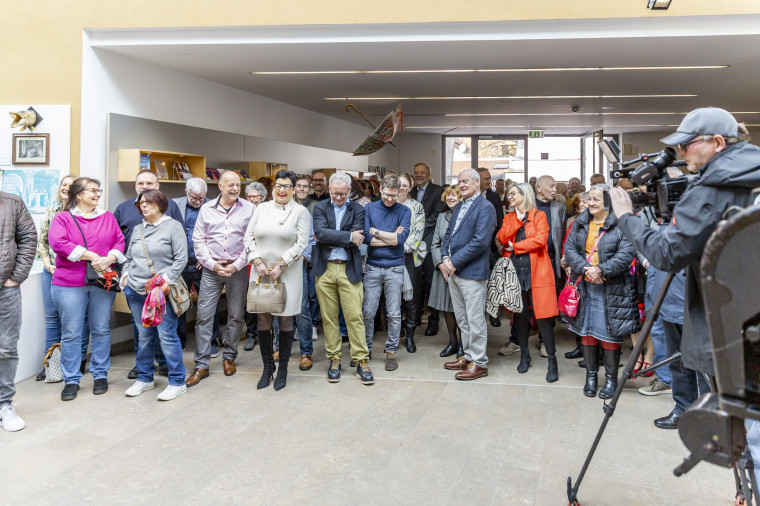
<point x="527" y="191"/>
<point x="449" y="190"/>
<point x="408" y="178"/>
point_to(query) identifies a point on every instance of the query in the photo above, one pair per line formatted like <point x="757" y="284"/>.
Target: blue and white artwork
<point x="37" y="187"/>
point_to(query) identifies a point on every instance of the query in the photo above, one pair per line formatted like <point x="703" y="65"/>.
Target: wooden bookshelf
<point x="129" y="164"/>
<point x="255" y="170"/>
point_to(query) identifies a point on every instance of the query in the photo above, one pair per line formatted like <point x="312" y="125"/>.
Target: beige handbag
<point x="266" y="297"/>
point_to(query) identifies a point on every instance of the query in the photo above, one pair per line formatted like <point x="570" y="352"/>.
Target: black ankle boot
<point x="591" y="358"/>
<point x="552" y="374"/>
<point x="267" y="352"/>
<point x="524" y="360"/>
<point x="450" y="349"/>
<point x="611" y="364"/>
<point x="410" y="347"/>
<point x="286" y="342"/>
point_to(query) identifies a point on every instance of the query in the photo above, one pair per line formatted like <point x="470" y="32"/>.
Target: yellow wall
<point x="41" y="43"/>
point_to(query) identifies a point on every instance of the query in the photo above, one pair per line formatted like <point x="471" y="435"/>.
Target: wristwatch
<point x="377" y="233"/>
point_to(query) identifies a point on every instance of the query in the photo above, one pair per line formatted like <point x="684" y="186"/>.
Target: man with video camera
<point x="715" y="147"/>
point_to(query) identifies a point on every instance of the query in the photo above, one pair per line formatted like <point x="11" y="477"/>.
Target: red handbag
<point x="569" y="297"/>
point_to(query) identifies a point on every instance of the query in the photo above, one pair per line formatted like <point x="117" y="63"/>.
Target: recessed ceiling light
<point x="462" y="71"/>
<point x="525" y="97"/>
<point x="537" y="127"/>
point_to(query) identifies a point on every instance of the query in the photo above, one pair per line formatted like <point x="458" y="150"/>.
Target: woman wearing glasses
<point x="80" y="223"/>
<point x="277" y="236"/>
<point x="524" y="234"/>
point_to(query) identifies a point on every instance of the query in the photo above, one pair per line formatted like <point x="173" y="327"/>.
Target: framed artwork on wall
<point x="31" y="149"/>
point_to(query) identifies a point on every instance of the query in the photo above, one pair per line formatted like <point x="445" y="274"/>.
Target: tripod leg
<point x="609" y="409"/>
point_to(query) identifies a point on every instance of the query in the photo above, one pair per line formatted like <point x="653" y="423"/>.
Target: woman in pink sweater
<point x="100" y="242"/>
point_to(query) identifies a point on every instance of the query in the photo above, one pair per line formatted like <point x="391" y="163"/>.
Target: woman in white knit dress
<point x="274" y="241"/>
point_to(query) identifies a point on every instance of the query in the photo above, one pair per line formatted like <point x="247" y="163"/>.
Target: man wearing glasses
<point x="337" y="266"/>
<point x="189" y="206"/>
<point x="714" y="145"/>
<point x="128" y="217"/>
<point x="319" y="182"/>
<point x="218" y="243"/>
<point x="386" y="227"/>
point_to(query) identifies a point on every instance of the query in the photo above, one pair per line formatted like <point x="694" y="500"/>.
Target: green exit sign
<point x="535" y="134"/>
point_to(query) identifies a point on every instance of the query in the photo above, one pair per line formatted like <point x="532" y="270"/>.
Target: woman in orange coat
<point x="524" y="234"/>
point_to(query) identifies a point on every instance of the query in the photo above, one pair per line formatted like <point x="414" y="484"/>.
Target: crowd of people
<point x="356" y="256"/>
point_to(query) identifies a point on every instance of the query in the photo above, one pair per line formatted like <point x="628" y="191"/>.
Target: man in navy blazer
<point x="466" y="267"/>
<point x="337" y="267"/>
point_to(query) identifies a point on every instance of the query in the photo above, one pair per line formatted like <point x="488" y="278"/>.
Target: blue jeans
<point x="658" y="341"/>
<point x="73" y="303"/>
<point x="377" y="280"/>
<point x="10" y="329"/>
<point x="53" y="319"/>
<point x="303" y="320"/>
<point x="687" y="385"/>
<point x="753" y="443"/>
<point x="165" y="333"/>
<point x="313" y="301"/>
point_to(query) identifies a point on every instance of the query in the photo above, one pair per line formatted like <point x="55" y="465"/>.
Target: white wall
<point x="419" y="148"/>
<point x="56" y="122"/>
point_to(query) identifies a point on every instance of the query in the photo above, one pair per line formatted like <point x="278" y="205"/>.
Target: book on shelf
<point x="145" y="161"/>
<point x="182" y="170"/>
<point x="212" y="174"/>
<point x="161" y="170"/>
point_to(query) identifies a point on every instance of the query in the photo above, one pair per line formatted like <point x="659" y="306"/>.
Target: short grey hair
<point x="260" y="188"/>
<point x="390" y="181"/>
<point x="474" y="174"/>
<point x="340" y="177"/>
<point x="602" y="187"/>
<point x="196" y="185"/>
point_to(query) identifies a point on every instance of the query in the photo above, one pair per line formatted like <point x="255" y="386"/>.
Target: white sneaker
<point x="314" y="335"/>
<point x="172" y="392"/>
<point x="9" y="420"/>
<point x="139" y="387"/>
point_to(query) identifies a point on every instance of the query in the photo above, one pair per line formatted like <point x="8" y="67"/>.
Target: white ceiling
<point x="227" y="55"/>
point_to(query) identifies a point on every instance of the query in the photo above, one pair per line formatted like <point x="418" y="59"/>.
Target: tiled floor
<point x="416" y="436"/>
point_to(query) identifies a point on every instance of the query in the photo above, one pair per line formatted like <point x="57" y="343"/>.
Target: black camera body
<point x="662" y="191"/>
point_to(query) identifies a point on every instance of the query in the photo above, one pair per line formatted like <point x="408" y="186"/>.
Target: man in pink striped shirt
<point x="218" y="240"/>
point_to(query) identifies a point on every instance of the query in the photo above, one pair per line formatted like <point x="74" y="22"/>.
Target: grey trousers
<point x="10" y="328"/>
<point x="468" y="296"/>
<point x="236" y="287"/>
<point x="391" y="280"/>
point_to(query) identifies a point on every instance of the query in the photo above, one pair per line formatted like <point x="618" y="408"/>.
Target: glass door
<point x="506" y="157"/>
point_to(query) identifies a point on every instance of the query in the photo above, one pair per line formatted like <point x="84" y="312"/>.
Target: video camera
<point x="662" y="191"/>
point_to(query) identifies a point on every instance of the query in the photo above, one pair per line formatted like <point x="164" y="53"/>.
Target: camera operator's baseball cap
<point x="704" y="121"/>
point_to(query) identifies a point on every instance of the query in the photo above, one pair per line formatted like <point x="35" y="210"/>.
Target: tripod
<point x="609" y="410"/>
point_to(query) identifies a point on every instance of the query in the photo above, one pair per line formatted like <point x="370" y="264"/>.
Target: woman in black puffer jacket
<point x="608" y="308"/>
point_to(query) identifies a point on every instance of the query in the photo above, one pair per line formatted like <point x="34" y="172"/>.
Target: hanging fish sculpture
<point x="24" y="119"/>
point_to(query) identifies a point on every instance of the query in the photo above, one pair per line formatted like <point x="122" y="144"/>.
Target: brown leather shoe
<point x="305" y="362"/>
<point x="196" y="376"/>
<point x="457" y="365"/>
<point x="473" y="371"/>
<point x="229" y="367"/>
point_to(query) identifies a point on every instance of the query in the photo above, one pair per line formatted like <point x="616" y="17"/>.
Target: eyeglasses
<point x="339" y="195"/>
<point x="513" y="194"/>
<point x="145" y="203"/>
<point x="302" y="187"/>
<point x="193" y="197"/>
<point x="253" y="196"/>
<point x="685" y="146"/>
<point x="96" y="191"/>
<point x="285" y="187"/>
<point x="390" y="196"/>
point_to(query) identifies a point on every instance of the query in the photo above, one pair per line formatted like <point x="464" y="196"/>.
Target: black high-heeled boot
<point x="524" y="364"/>
<point x="410" y="347"/>
<point x="266" y="346"/>
<point x="591" y="357"/>
<point x="552" y="373"/>
<point x="611" y="364"/>
<point x="286" y="342"/>
<point x="452" y="347"/>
